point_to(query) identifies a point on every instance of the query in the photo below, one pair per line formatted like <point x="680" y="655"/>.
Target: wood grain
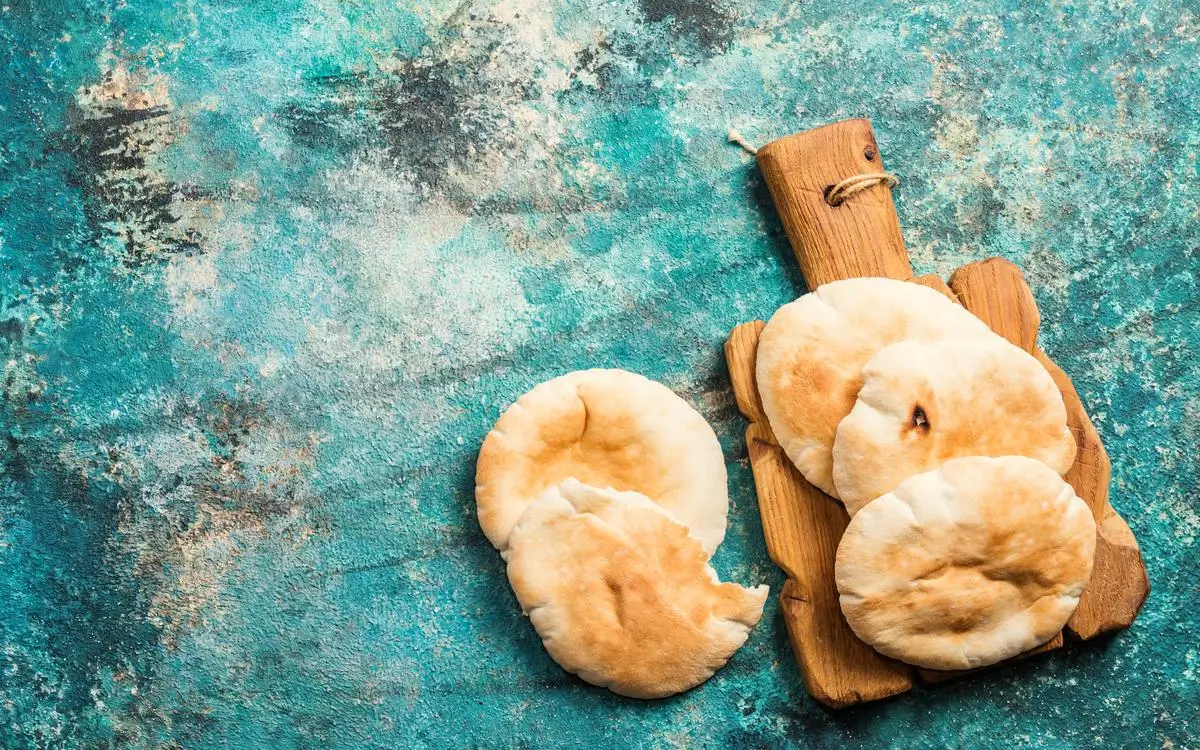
<point x="861" y="237"/>
<point x="996" y="291"/>
<point x="802" y="525"/>
<point x="935" y="283"/>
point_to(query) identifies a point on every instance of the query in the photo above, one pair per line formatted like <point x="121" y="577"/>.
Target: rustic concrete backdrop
<point x="271" y="269"/>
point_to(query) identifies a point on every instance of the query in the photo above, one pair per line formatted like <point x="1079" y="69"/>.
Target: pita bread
<point x="811" y="353"/>
<point x="923" y="403"/>
<point x="967" y="565"/>
<point x="606" y="428"/>
<point x="622" y="595"/>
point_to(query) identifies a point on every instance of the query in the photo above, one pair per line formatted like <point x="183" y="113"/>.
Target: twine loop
<point x="836" y="195"/>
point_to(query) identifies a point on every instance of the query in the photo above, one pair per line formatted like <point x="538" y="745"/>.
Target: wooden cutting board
<point x="861" y="237"/>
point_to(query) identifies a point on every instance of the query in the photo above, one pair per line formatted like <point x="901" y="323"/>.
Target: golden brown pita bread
<point x="811" y="353"/>
<point x="967" y="565"/>
<point x="622" y="595"/>
<point x="923" y="403"/>
<point x="606" y="428"/>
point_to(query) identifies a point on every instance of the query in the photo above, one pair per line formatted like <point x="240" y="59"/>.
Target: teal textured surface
<point x="270" y="270"/>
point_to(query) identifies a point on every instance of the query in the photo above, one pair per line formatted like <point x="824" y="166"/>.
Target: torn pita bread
<point x="811" y="353"/>
<point x="923" y="403"/>
<point x="622" y="595"/>
<point x="606" y="428"/>
<point x="965" y="566"/>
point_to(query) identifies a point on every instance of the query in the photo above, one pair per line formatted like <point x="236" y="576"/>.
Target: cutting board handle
<point x="858" y="237"/>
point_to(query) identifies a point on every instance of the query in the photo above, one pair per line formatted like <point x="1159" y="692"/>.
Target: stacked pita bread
<point x="947" y="445"/>
<point x="606" y="495"/>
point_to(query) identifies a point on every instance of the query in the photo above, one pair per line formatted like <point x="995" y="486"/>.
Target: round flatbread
<point x="967" y="565"/>
<point x="606" y="428"/>
<point x="811" y="353"/>
<point x="622" y="595"/>
<point x="923" y="403"/>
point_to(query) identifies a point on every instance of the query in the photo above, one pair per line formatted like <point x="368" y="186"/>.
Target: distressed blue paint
<point x="264" y="294"/>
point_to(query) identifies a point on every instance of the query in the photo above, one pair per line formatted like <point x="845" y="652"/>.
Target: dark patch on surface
<point x="232" y="427"/>
<point x="747" y="706"/>
<point x="429" y="125"/>
<point x="429" y="118"/>
<point x="124" y="200"/>
<point x="709" y="22"/>
<point x="12" y="459"/>
<point x="99" y="554"/>
<point x="232" y="421"/>
<point x="438" y="114"/>
<point x="595" y="60"/>
<point x="94" y="611"/>
<point x="332" y="118"/>
<point x="312" y="124"/>
<point x="12" y="330"/>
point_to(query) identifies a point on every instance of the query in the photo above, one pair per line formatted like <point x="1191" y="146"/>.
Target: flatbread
<point x="622" y="595"/>
<point x="967" y="565"/>
<point x="923" y="403"/>
<point x="811" y="353"/>
<point x="606" y="428"/>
